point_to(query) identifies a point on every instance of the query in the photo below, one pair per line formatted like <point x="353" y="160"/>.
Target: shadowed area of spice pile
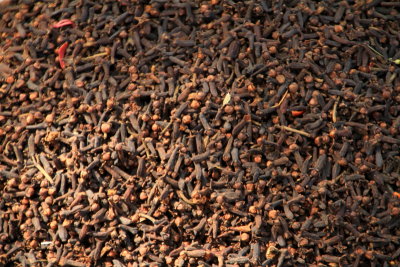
<point x="212" y="133"/>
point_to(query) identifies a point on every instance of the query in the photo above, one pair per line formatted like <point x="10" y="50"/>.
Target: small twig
<point x="94" y="56"/>
<point x="293" y="130"/>
<point x="40" y="168"/>
<point x="280" y="102"/>
<point x="148" y="217"/>
<point x="374" y="50"/>
<point x="395" y="61"/>
<point x="146" y="149"/>
<point x="175" y="95"/>
<point x="334" y="111"/>
<point x="166" y="127"/>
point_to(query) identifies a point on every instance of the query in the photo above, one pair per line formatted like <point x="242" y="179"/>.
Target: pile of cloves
<point x="188" y="132"/>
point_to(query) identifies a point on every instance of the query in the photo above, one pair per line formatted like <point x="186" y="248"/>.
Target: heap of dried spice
<point x="188" y="132"/>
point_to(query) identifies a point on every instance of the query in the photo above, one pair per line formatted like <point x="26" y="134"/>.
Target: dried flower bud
<point x="106" y="127"/>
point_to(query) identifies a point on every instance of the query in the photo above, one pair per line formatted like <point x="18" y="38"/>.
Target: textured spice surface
<point x="216" y="132"/>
